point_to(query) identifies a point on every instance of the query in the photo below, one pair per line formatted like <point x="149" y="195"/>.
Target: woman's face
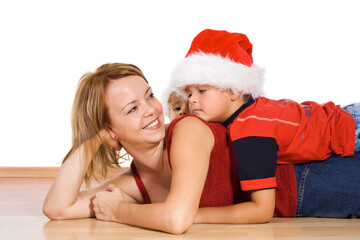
<point x="136" y="115"/>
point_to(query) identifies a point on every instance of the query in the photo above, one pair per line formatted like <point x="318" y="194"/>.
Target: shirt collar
<point x="228" y="121"/>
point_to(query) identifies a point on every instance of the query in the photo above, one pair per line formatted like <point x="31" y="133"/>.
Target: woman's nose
<point x="149" y="110"/>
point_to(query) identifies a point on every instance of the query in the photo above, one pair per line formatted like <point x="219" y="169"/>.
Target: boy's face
<point x="210" y="103"/>
<point x="178" y="108"/>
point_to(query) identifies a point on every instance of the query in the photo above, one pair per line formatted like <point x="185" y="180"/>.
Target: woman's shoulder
<point x="189" y="128"/>
<point x="190" y="124"/>
<point x="194" y="123"/>
<point x="187" y="118"/>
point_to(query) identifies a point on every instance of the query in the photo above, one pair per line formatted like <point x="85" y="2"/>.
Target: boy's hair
<point x="247" y="97"/>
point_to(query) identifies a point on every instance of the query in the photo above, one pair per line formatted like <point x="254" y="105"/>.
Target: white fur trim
<point x="201" y="68"/>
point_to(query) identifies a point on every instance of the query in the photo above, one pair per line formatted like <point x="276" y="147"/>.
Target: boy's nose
<point x="192" y="100"/>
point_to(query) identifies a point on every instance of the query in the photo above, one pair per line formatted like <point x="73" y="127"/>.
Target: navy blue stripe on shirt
<point x="256" y="157"/>
<point x="229" y="121"/>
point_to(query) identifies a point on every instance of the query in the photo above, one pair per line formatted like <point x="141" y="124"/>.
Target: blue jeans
<point x="354" y="110"/>
<point x="329" y="188"/>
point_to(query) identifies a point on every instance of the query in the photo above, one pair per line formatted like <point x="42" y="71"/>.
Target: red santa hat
<point x="220" y="59"/>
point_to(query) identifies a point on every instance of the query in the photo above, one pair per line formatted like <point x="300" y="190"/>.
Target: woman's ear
<point x="111" y="132"/>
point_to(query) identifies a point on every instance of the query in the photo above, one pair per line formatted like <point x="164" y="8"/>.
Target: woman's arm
<point x="259" y="210"/>
<point x="192" y="142"/>
<point x="64" y="199"/>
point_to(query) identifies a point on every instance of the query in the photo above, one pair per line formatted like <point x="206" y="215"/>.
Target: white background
<point x="310" y="50"/>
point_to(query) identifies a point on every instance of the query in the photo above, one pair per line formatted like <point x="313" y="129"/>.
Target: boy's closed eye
<point x="199" y="90"/>
<point x="202" y="90"/>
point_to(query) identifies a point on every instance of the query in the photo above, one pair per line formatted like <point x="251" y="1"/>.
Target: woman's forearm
<point x="158" y="216"/>
<point x="62" y="200"/>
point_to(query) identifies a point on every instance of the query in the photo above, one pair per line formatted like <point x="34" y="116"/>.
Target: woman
<point x="115" y="108"/>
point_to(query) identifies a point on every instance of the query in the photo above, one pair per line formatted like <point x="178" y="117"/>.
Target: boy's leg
<point x="329" y="188"/>
<point x="354" y="110"/>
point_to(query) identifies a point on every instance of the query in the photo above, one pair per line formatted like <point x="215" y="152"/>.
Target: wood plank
<point x="43" y="172"/>
<point x="28" y="172"/>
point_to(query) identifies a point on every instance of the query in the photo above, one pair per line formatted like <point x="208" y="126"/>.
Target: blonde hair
<point x="176" y="98"/>
<point x="90" y="115"/>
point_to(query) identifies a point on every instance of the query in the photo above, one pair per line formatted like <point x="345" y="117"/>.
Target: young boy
<point x="178" y="106"/>
<point x="223" y="85"/>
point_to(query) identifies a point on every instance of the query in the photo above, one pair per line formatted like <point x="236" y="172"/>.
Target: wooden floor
<point x="21" y="218"/>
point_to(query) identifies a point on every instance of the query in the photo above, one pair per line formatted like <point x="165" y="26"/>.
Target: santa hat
<point x="220" y="59"/>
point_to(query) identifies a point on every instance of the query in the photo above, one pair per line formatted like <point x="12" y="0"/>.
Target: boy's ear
<point x="235" y="96"/>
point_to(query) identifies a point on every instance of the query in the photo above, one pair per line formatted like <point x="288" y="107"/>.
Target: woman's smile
<point x="153" y="125"/>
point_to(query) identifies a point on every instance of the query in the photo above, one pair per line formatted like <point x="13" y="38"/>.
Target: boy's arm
<point x="256" y="168"/>
<point x="259" y="210"/>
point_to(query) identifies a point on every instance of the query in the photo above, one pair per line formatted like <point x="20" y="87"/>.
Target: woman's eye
<point x="132" y="110"/>
<point x="202" y="90"/>
<point x="177" y="109"/>
<point x="151" y="95"/>
<point x="189" y="95"/>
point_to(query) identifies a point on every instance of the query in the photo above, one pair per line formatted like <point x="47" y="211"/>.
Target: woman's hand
<point x="106" y="202"/>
